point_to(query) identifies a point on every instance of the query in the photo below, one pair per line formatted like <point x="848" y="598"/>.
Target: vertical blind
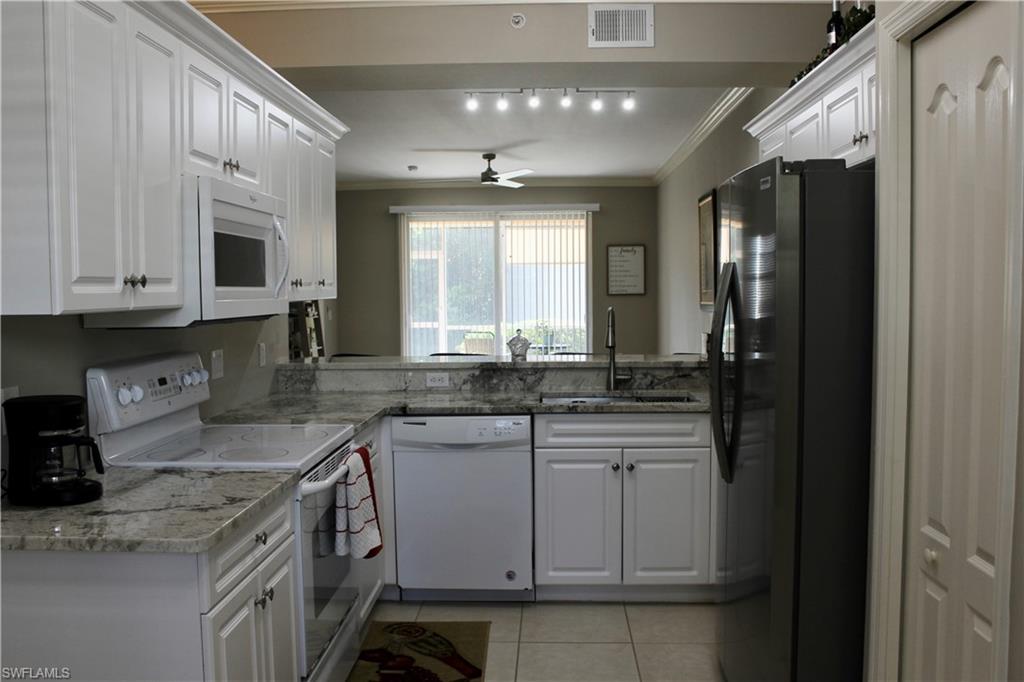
<point x="472" y="279"/>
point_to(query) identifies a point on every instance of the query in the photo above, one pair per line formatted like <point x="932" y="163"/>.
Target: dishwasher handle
<point x="314" y="487"/>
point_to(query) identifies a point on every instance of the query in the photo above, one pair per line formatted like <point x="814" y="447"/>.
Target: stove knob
<point x="137" y="394"/>
<point x="196" y="377"/>
<point x="186" y="378"/>
<point x="124" y="396"/>
<point x="204" y="376"/>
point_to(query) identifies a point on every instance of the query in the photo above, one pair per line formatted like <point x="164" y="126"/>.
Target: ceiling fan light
<point x="534" y="100"/>
<point x="596" y="104"/>
<point x="629" y="104"/>
<point x="502" y="103"/>
<point x="471" y="103"/>
<point x="566" y="101"/>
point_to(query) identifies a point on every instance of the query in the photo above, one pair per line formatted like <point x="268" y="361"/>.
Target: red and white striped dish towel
<point x="357" y="531"/>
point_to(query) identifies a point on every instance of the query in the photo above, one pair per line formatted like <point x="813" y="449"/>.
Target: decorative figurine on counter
<point x="518" y="345"/>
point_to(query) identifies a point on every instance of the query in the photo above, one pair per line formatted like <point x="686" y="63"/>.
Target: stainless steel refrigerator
<point x="791" y="378"/>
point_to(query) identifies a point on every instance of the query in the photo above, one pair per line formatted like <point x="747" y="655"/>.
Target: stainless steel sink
<point x="559" y="399"/>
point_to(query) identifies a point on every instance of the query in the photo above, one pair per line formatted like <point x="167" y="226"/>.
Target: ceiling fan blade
<point x="502" y="182"/>
<point x="514" y="174"/>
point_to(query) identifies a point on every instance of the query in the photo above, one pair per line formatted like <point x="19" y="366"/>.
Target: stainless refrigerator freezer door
<point x="726" y="372"/>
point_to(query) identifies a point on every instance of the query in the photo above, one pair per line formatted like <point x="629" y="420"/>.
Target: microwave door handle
<point x="287" y="256"/>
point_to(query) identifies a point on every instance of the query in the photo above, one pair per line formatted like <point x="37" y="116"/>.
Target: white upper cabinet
<point x="154" y="138"/>
<point x="245" y="135"/>
<point x="89" y="178"/>
<point x="327" y="255"/>
<point x="112" y="109"/>
<point x="829" y="114"/>
<point x="206" y="120"/>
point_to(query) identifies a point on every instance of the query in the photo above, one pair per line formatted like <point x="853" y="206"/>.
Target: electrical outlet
<point x="437" y="379"/>
<point x="217" y="364"/>
<point x="262" y="352"/>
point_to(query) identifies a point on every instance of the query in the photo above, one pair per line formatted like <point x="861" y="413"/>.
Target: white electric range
<point x="145" y="413"/>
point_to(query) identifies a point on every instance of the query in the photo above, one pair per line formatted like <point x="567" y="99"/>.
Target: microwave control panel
<point x="130" y="393"/>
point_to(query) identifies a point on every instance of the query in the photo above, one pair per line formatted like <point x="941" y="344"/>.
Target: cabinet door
<point x="772" y="144"/>
<point x="231" y="635"/>
<point x="665" y="515"/>
<point x="89" y="159"/>
<point x="303" y="233"/>
<point x="279" y="619"/>
<point x="154" y="139"/>
<point x="804" y="135"/>
<point x="278" y="165"/>
<point x="327" y="251"/>
<point x="206" y="121"/>
<point x="245" y="134"/>
<point x="843" y="111"/>
<point x="869" y="104"/>
<point x="578" y="516"/>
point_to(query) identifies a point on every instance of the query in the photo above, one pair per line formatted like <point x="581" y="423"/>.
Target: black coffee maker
<point x="40" y="428"/>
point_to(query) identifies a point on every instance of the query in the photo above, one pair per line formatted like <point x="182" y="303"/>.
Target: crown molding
<point x="343" y="186"/>
<point x="238" y="6"/>
<point x="717" y="113"/>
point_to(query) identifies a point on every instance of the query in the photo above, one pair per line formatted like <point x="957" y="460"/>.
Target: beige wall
<point x="369" y="303"/>
<point x="729" y="149"/>
<point x="42" y="354"/>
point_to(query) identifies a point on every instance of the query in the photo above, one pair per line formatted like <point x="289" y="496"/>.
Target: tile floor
<point x="561" y="642"/>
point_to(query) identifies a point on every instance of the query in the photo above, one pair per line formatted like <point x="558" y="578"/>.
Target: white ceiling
<point x="433" y="130"/>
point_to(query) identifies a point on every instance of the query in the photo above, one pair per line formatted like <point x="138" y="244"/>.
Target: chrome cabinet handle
<point x="630" y="466"/>
<point x="615" y="466"/>
<point x="261" y="538"/>
<point x="143" y="280"/>
<point x="131" y="280"/>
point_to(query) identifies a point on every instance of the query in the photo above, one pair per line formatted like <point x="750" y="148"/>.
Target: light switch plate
<point x="262" y="352"/>
<point x="437" y="379"/>
<point x="217" y="364"/>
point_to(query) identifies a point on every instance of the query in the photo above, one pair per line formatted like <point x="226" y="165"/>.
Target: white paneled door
<point x="154" y="136"/>
<point x="206" y="120"/>
<point x="88" y="162"/>
<point x="964" y="351"/>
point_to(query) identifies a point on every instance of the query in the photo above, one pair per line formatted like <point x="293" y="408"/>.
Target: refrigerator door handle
<point x="726" y="444"/>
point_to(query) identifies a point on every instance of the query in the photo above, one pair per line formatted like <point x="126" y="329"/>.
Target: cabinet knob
<point x="237" y="165"/>
<point x="143" y="281"/>
<point x="863" y="137"/>
<point x="131" y="280"/>
<point x="261" y="538"/>
<point x="228" y="165"/>
<point x="931" y="556"/>
<point x="856" y="138"/>
<point x="630" y="466"/>
<point x="300" y="281"/>
<point x="615" y="466"/>
<point x="322" y="282"/>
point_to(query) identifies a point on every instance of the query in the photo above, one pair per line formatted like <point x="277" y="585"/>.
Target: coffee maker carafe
<point x="40" y="430"/>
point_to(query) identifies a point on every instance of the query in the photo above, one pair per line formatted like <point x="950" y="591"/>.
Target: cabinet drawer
<point x="622" y="430"/>
<point x="225" y="565"/>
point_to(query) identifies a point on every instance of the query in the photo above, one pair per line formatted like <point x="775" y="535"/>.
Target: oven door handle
<point x="282" y="263"/>
<point x="312" y="488"/>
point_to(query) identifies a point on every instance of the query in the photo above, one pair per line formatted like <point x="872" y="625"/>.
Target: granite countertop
<point x="581" y="361"/>
<point x="184" y="511"/>
<point x="362" y="408"/>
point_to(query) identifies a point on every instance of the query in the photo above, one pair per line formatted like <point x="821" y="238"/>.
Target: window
<point x="472" y="279"/>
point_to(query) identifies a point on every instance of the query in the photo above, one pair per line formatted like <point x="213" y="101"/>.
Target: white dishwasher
<point x="463" y="502"/>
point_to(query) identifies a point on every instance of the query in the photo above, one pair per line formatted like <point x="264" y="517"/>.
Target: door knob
<point x="630" y="466"/>
<point x="931" y="556"/>
<point x="615" y="466"/>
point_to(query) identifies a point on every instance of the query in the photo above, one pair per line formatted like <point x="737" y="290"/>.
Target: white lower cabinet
<point x="251" y="633"/>
<point x="620" y="514"/>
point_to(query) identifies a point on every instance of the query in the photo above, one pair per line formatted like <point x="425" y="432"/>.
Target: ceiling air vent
<point x="620" y="25"/>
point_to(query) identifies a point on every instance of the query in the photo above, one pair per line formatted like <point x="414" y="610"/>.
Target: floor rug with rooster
<point x="422" y="652"/>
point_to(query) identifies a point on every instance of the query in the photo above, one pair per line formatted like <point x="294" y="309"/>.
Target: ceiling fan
<point x="495" y="179"/>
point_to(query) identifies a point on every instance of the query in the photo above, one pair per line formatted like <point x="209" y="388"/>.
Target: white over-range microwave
<point x="235" y="252"/>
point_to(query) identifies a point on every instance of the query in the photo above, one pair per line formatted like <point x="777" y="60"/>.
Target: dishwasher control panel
<point x="412" y="433"/>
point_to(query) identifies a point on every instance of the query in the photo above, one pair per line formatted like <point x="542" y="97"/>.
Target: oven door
<point x="329" y="595"/>
<point x="243" y="252"/>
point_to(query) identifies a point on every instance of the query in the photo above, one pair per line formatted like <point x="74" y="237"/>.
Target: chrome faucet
<point x="609" y="343"/>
